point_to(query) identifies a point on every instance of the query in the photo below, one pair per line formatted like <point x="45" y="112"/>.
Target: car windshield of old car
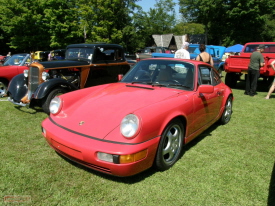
<point x="16" y="59"/>
<point x="79" y="53"/>
<point x="168" y="73"/>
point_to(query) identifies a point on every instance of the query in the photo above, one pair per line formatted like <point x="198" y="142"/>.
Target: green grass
<point x="226" y="165"/>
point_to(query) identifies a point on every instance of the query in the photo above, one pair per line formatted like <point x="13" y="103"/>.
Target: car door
<point x="207" y="105"/>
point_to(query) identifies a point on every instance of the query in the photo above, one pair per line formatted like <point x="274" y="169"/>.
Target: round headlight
<point x="129" y="125"/>
<point x="26" y="73"/>
<point x="55" y="105"/>
<point x="45" y="75"/>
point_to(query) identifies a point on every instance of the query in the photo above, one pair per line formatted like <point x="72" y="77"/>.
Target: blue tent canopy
<point x="235" y="48"/>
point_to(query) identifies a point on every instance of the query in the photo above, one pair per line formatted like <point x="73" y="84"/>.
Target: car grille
<point x="33" y="80"/>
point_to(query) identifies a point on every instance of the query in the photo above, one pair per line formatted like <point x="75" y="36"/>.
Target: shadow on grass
<point x="29" y="110"/>
<point x="262" y="85"/>
<point x="128" y="180"/>
<point x="271" y="195"/>
<point x="147" y="173"/>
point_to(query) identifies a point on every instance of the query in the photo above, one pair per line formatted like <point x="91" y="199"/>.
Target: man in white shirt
<point x="183" y="53"/>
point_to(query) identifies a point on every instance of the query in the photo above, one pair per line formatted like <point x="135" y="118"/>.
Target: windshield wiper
<point x="141" y="82"/>
<point x="158" y="84"/>
<point x="179" y="85"/>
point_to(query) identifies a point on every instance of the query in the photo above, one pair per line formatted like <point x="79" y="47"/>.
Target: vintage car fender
<point x="45" y="88"/>
<point x="17" y="88"/>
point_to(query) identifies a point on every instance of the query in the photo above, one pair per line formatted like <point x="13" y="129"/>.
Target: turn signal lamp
<point x="124" y="159"/>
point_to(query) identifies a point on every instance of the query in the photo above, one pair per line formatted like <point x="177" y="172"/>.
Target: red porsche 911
<point x="143" y="120"/>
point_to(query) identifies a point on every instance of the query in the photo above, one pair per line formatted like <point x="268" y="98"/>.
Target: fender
<point x="17" y="88"/>
<point x="45" y="88"/>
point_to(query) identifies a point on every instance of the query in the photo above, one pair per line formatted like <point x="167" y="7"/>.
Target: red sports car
<point x="145" y="119"/>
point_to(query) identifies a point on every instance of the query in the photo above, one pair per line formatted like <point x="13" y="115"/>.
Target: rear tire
<point x="227" y="112"/>
<point x="170" y="145"/>
<point x="47" y="100"/>
<point x="231" y="79"/>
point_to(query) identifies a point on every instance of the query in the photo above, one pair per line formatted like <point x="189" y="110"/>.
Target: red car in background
<point x="124" y="128"/>
<point x="2" y="59"/>
<point x="13" y="66"/>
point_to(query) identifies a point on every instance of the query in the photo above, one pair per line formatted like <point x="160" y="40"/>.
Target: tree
<point x="29" y="26"/>
<point x="188" y="28"/>
<point x="107" y="20"/>
<point x="229" y="22"/>
<point x="158" y="20"/>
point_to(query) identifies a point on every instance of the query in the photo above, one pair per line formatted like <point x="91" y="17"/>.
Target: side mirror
<point x="206" y="89"/>
<point x="120" y="76"/>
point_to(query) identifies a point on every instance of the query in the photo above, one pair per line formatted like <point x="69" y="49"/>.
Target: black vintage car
<point x="85" y="65"/>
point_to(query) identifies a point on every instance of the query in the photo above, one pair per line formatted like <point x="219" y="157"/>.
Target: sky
<point x="147" y="4"/>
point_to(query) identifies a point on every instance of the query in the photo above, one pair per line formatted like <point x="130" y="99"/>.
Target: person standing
<point x="256" y="62"/>
<point x="204" y="56"/>
<point x="183" y="52"/>
<point x="272" y="88"/>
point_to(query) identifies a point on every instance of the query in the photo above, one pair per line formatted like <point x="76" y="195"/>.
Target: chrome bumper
<point x="17" y="103"/>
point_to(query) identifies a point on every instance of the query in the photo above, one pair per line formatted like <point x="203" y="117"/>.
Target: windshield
<point x="79" y="53"/>
<point x="17" y="59"/>
<point x="269" y="48"/>
<point x="168" y="73"/>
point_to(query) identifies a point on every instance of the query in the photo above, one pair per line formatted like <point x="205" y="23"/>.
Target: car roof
<point x="92" y="45"/>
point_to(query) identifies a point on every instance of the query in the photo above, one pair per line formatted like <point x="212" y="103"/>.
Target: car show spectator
<point x="183" y="52"/>
<point x="204" y="56"/>
<point x="50" y="56"/>
<point x="272" y="88"/>
<point x="9" y="54"/>
<point x="256" y="62"/>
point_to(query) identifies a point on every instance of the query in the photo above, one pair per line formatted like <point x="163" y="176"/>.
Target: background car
<point x="145" y="119"/>
<point x="13" y="66"/>
<point x="85" y="65"/>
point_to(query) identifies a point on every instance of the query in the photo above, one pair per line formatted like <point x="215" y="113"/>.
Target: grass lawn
<point x="226" y="165"/>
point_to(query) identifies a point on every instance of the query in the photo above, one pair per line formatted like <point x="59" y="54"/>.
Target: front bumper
<point x="83" y="150"/>
<point x="18" y="103"/>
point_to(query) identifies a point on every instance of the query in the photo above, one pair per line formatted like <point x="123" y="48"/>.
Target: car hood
<point x="100" y="112"/>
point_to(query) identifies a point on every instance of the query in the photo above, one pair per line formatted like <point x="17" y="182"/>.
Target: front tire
<point x="226" y="115"/>
<point x="170" y="145"/>
<point x="47" y="100"/>
<point x="3" y="87"/>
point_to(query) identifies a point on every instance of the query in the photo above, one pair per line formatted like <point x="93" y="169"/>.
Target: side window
<point x="216" y="78"/>
<point x="205" y="75"/>
<point x="107" y="54"/>
<point x="208" y="76"/>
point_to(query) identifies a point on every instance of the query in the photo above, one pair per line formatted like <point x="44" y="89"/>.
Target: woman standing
<point x="272" y="88"/>
<point x="204" y="56"/>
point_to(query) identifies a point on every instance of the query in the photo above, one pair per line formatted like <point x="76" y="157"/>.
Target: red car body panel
<point x="11" y="69"/>
<point x="89" y="121"/>
<point x="8" y="72"/>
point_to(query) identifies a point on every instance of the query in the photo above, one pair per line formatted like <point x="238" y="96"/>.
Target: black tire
<point x="170" y="145"/>
<point x="3" y="87"/>
<point x="227" y="112"/>
<point x="47" y="100"/>
<point x="231" y="79"/>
